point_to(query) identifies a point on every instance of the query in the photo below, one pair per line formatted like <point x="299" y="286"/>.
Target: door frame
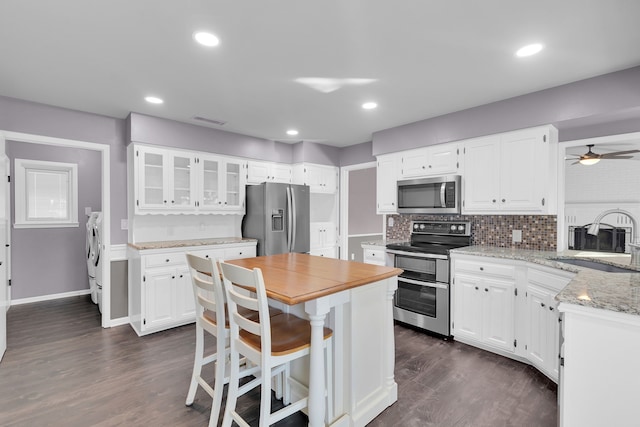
<point x="344" y="205"/>
<point x="105" y="151"/>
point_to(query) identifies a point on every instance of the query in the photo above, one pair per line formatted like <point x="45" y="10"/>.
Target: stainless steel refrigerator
<point x="278" y="217"/>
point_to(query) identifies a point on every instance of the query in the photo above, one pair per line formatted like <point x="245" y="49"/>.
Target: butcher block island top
<point x="295" y="278"/>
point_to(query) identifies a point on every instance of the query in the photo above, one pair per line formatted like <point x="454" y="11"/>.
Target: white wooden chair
<point x="211" y="317"/>
<point x="285" y="336"/>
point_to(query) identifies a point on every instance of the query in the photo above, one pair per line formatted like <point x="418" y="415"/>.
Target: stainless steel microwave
<point x="437" y="195"/>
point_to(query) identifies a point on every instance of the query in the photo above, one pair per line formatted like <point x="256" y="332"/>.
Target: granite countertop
<point x="618" y="292"/>
<point x="382" y="243"/>
<point x="184" y="243"/>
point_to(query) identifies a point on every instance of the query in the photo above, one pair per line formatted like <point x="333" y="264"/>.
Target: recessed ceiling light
<point x="369" y="105"/>
<point x="153" y="100"/>
<point x="206" y="39"/>
<point x="292" y="132"/>
<point x="529" y="50"/>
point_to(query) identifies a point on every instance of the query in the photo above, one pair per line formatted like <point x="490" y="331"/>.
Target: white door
<point x="4" y="297"/>
<point x="498" y="325"/>
<point x="467" y="318"/>
<point x="481" y="175"/>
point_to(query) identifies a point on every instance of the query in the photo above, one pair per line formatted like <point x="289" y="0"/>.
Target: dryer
<point x="98" y="259"/>
<point x="90" y="251"/>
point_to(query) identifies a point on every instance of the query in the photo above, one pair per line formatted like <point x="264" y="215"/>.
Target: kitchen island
<point x="355" y="300"/>
<point x="600" y="313"/>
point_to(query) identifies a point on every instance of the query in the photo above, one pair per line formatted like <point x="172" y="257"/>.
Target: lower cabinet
<point x="374" y="256"/>
<point x="484" y="304"/>
<point x="508" y="307"/>
<point x="323" y="239"/>
<point x="160" y="289"/>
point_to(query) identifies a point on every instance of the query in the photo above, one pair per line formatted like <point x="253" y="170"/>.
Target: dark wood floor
<point x="62" y="369"/>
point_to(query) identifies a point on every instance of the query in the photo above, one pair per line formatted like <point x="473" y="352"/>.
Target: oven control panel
<point x="458" y="228"/>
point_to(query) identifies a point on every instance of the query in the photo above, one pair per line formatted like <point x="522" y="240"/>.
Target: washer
<point x="90" y="250"/>
<point x="98" y="262"/>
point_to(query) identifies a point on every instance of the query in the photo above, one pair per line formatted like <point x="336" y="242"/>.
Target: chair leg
<point x="286" y="387"/>
<point x="197" y="365"/>
<point x="232" y="393"/>
<point x="218" y="386"/>
<point x="265" y="397"/>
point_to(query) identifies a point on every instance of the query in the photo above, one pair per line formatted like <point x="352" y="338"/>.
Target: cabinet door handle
<point x="476" y="288"/>
<point x="181" y="276"/>
<point x="504" y="200"/>
<point x="173" y="277"/>
<point x="206" y="256"/>
<point x="165" y="201"/>
<point x="167" y="260"/>
<point x="550" y="308"/>
<point x="486" y="289"/>
<point x="541" y="304"/>
<point x="494" y="200"/>
<point x="481" y="268"/>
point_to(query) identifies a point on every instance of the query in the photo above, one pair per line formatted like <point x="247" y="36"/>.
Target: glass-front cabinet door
<point x="234" y="185"/>
<point x="182" y="182"/>
<point x="152" y="178"/>
<point x="209" y="183"/>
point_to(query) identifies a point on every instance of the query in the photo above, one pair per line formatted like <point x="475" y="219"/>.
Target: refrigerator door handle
<point x="289" y="219"/>
<point x="294" y="221"/>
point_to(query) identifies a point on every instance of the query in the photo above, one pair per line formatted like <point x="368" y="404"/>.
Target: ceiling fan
<point x="591" y="158"/>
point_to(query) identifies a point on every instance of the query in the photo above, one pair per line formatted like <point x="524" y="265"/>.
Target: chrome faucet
<point x="635" y="237"/>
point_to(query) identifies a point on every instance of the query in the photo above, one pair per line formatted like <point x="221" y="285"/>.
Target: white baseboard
<point x="119" y="322"/>
<point x="50" y="297"/>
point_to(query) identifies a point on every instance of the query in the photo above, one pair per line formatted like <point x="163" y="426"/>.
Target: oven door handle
<point x="417" y="254"/>
<point x="422" y="283"/>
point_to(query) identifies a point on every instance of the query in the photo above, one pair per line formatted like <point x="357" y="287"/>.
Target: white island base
<point x="363" y="352"/>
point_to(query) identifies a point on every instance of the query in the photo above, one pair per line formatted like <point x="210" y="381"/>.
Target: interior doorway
<point x="104" y="151"/>
<point x="359" y="221"/>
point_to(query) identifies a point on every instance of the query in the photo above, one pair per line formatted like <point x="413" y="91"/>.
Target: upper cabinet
<point x="514" y="172"/>
<point x="320" y="178"/>
<point x="172" y="181"/>
<point x="221" y="184"/>
<point x="387" y="177"/>
<point x="164" y="179"/>
<point x="439" y="159"/>
<point x="259" y="172"/>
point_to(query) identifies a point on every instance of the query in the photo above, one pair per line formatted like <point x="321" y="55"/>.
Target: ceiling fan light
<point x="589" y="161"/>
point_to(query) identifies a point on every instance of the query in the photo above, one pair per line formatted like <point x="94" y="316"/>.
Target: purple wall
<point x="157" y="131"/>
<point x="23" y="116"/>
<point x="579" y="104"/>
<point x="362" y="202"/>
<point x="356" y="154"/>
<point x="39" y="253"/>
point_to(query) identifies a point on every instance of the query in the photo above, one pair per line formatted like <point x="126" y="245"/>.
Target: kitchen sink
<point x="596" y="265"/>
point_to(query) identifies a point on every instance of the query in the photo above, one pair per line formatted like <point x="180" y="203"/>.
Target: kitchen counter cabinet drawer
<point x="163" y="260"/>
<point x="481" y="267"/>
<point x="373" y="256"/>
<point x="209" y="253"/>
<point x="236" y="253"/>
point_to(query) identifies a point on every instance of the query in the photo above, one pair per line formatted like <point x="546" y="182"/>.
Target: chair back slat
<point x="237" y="280"/>
<point x="207" y="287"/>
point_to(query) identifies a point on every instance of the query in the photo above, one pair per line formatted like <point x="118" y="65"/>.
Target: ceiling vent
<point x="210" y="121"/>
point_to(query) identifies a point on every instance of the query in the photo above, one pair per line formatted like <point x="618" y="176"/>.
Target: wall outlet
<point x="390" y="222"/>
<point x="516" y="236"/>
<point x="124" y="224"/>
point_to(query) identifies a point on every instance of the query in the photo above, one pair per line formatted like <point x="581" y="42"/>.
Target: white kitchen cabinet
<point x="484" y="299"/>
<point x="542" y="342"/>
<point x="513" y="172"/>
<point x="331" y="252"/>
<point x="221" y="184"/>
<point x="386" y="183"/>
<point x="438" y="159"/>
<point x="374" y="256"/>
<point x="259" y="172"/>
<point x="323" y="236"/>
<point x="176" y="181"/>
<point x="320" y="178"/>
<point x="598" y="381"/>
<point x="165" y="180"/>
<point x="160" y="289"/>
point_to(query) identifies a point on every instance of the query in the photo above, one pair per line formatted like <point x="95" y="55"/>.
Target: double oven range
<point x="423" y="295"/>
